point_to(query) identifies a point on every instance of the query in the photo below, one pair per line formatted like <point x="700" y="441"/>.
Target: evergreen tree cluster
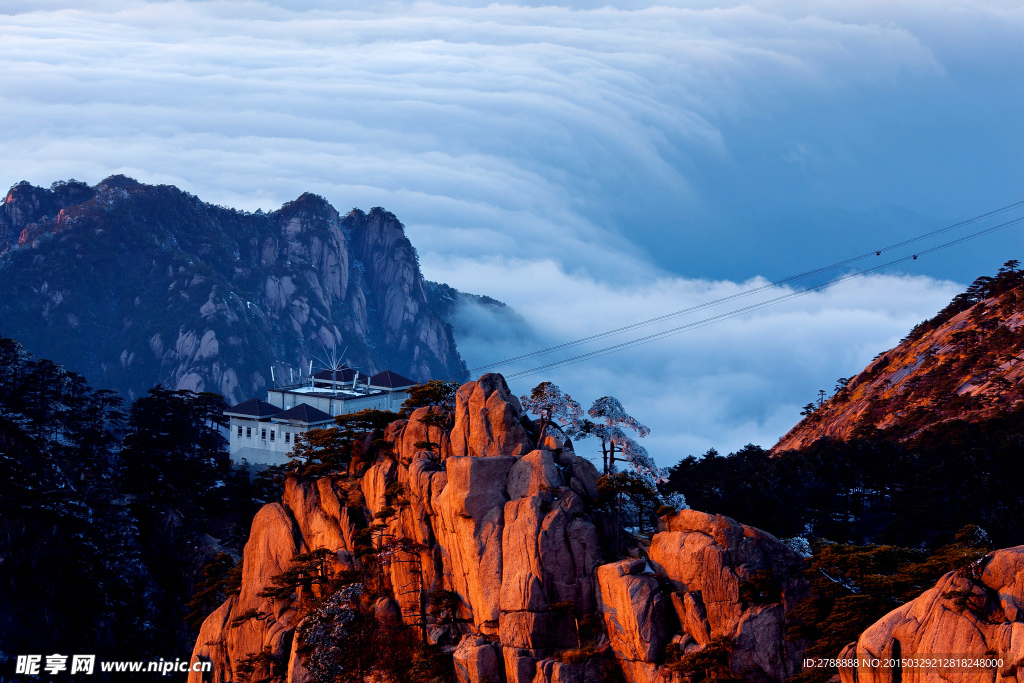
<point x="916" y="493"/>
<point x="985" y="287"/>
<point x="107" y="515"/>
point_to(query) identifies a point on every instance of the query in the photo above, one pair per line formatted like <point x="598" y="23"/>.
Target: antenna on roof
<point x="272" y="380"/>
<point x="332" y="361"/>
<point x="330" y="358"/>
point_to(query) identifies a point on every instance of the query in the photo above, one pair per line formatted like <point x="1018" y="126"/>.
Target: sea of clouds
<point x="558" y="157"/>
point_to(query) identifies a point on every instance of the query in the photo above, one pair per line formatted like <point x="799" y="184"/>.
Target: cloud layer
<point x="555" y="122"/>
<point x="588" y="163"/>
<point x="739" y="381"/>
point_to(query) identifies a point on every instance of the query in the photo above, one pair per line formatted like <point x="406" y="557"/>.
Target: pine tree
<point x="433" y="393"/>
<point x="611" y="421"/>
<point x="552" y="405"/>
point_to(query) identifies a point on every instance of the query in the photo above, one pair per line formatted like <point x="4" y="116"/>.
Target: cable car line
<point x="753" y="307"/>
<point x="749" y="292"/>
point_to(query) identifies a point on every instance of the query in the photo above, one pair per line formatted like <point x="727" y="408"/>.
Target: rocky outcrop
<point x="469" y="530"/>
<point x="693" y="593"/>
<point x="310" y="516"/>
<point x="488" y="420"/>
<point x="196" y="296"/>
<point x="26" y="205"/>
<point x="406" y="324"/>
<point x="511" y="532"/>
<point x="635" y="610"/>
<point x="735" y="582"/>
<point x="476" y="660"/>
<point x="974" y="616"/>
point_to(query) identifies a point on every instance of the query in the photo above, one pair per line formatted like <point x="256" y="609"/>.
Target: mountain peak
<point x="26" y="204"/>
<point x="308" y="202"/>
<point x="146" y="283"/>
<point x="119" y="181"/>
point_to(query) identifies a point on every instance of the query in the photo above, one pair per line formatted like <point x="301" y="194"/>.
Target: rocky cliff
<point x="964" y="364"/>
<point x="135" y="284"/>
<point x="517" y="543"/>
<point x="968" y="628"/>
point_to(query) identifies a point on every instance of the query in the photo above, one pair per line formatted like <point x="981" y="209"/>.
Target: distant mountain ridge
<point x="135" y="284"/>
<point x="963" y="364"/>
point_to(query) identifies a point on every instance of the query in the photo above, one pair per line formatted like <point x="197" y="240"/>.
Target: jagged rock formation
<point x="516" y="534"/>
<point x="135" y="285"/>
<point x="711" y="565"/>
<point x="964" y="364"/>
<point x="736" y="582"/>
<point x="975" y="614"/>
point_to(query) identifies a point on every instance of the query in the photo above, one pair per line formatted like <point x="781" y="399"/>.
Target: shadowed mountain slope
<point x="135" y="284"/>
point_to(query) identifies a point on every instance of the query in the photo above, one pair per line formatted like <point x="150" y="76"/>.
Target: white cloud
<point x="544" y="154"/>
<point x="532" y="122"/>
<point x="738" y="381"/>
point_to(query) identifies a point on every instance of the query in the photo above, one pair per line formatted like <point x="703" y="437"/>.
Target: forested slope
<point x="107" y="514"/>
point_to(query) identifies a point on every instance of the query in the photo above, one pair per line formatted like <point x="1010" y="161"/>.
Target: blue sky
<point x="590" y="164"/>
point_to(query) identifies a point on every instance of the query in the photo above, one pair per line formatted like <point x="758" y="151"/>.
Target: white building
<point x="341" y="391"/>
<point x="263" y="432"/>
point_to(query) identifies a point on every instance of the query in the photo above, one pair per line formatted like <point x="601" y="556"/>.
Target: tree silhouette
<point x="551" y="404"/>
<point x="307" y="577"/>
<point x="433" y="393"/>
<point x="328" y="451"/>
<point x="436" y="419"/>
<point x="610" y="424"/>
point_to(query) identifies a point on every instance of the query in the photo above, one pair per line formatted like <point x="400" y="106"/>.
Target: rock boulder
<point x="971" y="614"/>
<point x="488" y="420"/>
<point x="477" y="660"/>
<point x="634" y="609"/>
<point x="708" y="559"/>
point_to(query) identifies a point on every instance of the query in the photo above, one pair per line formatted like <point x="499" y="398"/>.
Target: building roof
<point x="343" y="374"/>
<point x="253" y="408"/>
<point x="338" y="393"/>
<point x="304" y="413"/>
<point x="391" y="380"/>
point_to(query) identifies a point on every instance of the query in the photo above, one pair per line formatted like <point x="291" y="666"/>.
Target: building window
<point x="248" y="432"/>
<point x="287" y="437"/>
<point x="239" y="430"/>
<point x="271" y="434"/>
<point x="263" y="434"/>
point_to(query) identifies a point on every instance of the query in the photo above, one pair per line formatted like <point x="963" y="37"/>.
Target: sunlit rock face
<point x="135" y="285"/>
<point x="708" y="559"/>
<point x="964" y="364"/>
<point x="518" y="535"/>
<point x="974" y="616"/>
